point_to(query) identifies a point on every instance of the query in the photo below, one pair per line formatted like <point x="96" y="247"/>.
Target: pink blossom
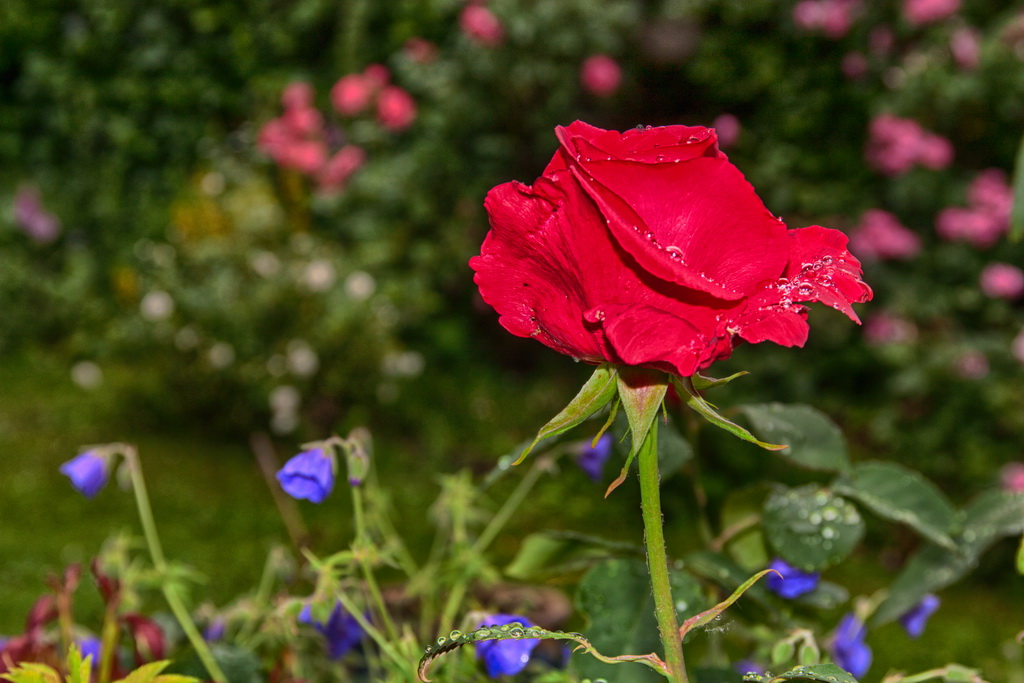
<point x="40" y="225"/>
<point x="886" y="328"/>
<point x="854" y="65"/>
<point x="974" y="226"/>
<point x="990" y="192"/>
<point x="377" y="75"/>
<point x="896" y="144"/>
<point x="972" y="364"/>
<point x="303" y="121"/>
<point x="396" y="110"/>
<point x="297" y="95"/>
<point x="880" y="236"/>
<point x="351" y="94"/>
<point x="987" y="218"/>
<point x="965" y="45"/>
<point x="480" y="24"/>
<point x="1002" y="281"/>
<point x="600" y="75"/>
<point x="420" y="50"/>
<point x="728" y="128"/>
<point x="303" y="155"/>
<point x="336" y="172"/>
<point x="833" y="18"/>
<point x="919" y="12"/>
<point x="1011" y="477"/>
<point x="934" y="151"/>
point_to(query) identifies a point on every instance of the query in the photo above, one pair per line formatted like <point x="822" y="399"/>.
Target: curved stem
<point x="657" y="559"/>
<point x="156" y="551"/>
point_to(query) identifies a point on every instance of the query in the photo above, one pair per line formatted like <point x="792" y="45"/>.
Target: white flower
<point x="360" y="286"/>
<point x="319" y="275"/>
<point x="156" y="305"/>
<point x="302" y="360"/>
<point x="221" y="355"/>
<point x="87" y="374"/>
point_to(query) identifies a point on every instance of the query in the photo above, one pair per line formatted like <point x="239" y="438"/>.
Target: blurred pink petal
<point x="919" y="12"/>
<point x="396" y="109"/>
<point x="600" y="75"/>
<point x="881" y="236"/>
<point x="1002" y="281"/>
<point x="479" y="24"/>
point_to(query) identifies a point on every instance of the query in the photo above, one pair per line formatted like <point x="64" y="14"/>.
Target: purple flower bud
<point x="591" y="459"/>
<point x="793" y="583"/>
<point x="90" y="647"/>
<point x="215" y="630"/>
<point x="88" y="472"/>
<point x="505" y="657"/>
<point x="848" y="647"/>
<point x="309" y="475"/>
<point x="341" y="630"/>
<point x="916" y="618"/>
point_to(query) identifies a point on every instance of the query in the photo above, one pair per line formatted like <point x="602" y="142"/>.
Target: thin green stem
<point x="363" y="544"/>
<point x="487" y="536"/>
<point x="156" y="551"/>
<point x="657" y="560"/>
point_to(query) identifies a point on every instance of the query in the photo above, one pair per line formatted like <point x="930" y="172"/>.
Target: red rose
<point x="649" y="248"/>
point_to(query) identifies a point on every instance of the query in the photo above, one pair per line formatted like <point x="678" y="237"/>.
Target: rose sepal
<point x="702" y="383"/>
<point x="642" y="394"/>
<point x="688" y="392"/>
<point x="597" y="392"/>
<point x="709" y="615"/>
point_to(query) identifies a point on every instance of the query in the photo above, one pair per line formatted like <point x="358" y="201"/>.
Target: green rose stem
<point x="170" y="591"/>
<point x="657" y="560"/>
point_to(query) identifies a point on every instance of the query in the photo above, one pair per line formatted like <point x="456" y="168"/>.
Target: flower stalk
<point x="657" y="559"/>
<point x="174" y="601"/>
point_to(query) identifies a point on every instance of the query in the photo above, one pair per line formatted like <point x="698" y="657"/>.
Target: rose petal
<point x="696" y="223"/>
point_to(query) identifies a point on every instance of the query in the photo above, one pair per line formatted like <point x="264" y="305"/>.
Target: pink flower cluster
<point x="600" y="75"/>
<point x="355" y="93"/>
<point x="896" y="145"/>
<point x="987" y="217"/>
<point x="298" y="139"/>
<point x="919" y="12"/>
<point x="832" y="18"/>
<point x="886" y="328"/>
<point x="481" y="26"/>
<point x="880" y="236"/>
<point x="1002" y="281"/>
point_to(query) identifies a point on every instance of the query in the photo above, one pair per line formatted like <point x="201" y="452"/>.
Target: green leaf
<point x="929" y="569"/>
<point x="596" y="393"/>
<point x="1017" y="215"/>
<point x="687" y="391"/>
<point x="555" y="553"/>
<point x="826" y="673"/>
<point x="147" y="673"/>
<point x="29" y="672"/>
<point x="900" y="494"/>
<point x="740" y="520"/>
<point x="616" y="598"/>
<point x="709" y="615"/>
<point x="1020" y="556"/>
<point x="991" y="516"/>
<point x="811" y="527"/>
<point x="815" y="442"/>
<point x="79" y="670"/>
<point x="674" y="451"/>
<point x="641" y="392"/>
<point x="826" y="595"/>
